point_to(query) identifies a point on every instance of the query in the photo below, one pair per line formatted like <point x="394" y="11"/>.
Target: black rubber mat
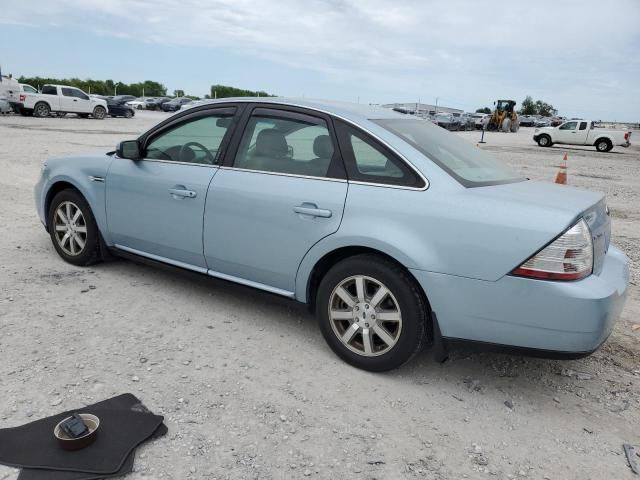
<point x="124" y="424"/>
<point x="127" y="467"/>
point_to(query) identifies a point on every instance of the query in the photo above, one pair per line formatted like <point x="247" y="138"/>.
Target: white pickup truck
<point x="582" y="132"/>
<point x="62" y="99"/>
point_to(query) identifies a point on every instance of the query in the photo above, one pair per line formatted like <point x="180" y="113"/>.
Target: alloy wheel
<point x="365" y="315"/>
<point x="70" y="228"/>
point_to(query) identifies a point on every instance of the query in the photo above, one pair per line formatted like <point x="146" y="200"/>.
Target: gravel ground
<point x="246" y="383"/>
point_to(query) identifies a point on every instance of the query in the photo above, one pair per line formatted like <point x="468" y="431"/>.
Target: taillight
<point x="23" y="98"/>
<point x="626" y="136"/>
<point x="569" y="257"/>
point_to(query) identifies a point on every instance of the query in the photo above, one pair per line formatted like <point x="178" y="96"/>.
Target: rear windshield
<point x="465" y="162"/>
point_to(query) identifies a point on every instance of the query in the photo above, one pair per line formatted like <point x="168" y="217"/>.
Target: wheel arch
<point x="311" y="273"/>
<point x="95" y="199"/>
<point x="603" y="137"/>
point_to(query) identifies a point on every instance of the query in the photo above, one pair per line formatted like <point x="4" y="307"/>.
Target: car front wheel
<point x="544" y="141"/>
<point x="73" y="229"/>
<point x="99" y="113"/>
<point x="372" y="313"/>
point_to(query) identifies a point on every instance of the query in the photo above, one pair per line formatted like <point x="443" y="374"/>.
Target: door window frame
<point x="336" y="171"/>
<point x="419" y="183"/>
<point x="232" y="110"/>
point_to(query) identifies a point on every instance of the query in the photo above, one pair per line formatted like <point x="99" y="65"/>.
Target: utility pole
<point x="436" y="105"/>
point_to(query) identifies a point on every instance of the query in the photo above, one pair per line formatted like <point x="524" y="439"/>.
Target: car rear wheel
<point x="73" y="229"/>
<point x="41" y="110"/>
<point x="544" y="141"/>
<point x="99" y="113"/>
<point x="603" y="145"/>
<point x="128" y="114"/>
<point x="372" y="313"/>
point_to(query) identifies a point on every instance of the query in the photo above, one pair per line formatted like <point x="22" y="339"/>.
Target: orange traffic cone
<point x="561" y="177"/>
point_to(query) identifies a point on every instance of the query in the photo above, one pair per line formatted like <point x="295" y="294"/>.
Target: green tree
<point x="539" y="107"/>
<point x="178" y="93"/>
<point x="225" y="91"/>
<point x="483" y="110"/>
<point x="545" y="109"/>
<point x="528" y="106"/>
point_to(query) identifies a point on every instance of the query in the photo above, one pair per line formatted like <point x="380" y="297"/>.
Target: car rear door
<point x="282" y="189"/>
<point x="155" y="205"/>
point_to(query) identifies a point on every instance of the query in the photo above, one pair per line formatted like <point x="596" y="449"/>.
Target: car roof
<point x="349" y="111"/>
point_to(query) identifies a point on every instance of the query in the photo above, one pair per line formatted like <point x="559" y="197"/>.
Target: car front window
<point x="196" y="141"/>
<point x="469" y="165"/>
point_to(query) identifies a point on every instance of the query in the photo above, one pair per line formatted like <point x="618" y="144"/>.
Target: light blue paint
<point x="459" y="243"/>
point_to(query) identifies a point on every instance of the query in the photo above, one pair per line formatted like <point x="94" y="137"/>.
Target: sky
<point x="582" y="56"/>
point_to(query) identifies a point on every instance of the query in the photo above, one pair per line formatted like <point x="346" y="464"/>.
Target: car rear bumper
<point x="571" y="318"/>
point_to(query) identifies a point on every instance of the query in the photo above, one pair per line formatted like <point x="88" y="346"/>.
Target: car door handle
<point x="182" y="192"/>
<point x="312" y="209"/>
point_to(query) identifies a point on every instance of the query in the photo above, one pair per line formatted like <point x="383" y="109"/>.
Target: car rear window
<point x="468" y="164"/>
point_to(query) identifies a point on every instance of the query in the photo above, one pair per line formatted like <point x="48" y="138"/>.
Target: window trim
<point x="377" y="144"/>
<point x="288" y="113"/>
<point x="183" y="120"/>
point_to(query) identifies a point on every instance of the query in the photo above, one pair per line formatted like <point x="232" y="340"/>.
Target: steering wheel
<point x="208" y="156"/>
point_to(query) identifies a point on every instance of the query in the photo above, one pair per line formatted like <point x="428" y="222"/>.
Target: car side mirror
<point x="129" y="149"/>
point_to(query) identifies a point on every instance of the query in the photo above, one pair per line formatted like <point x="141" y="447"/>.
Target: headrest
<point x="322" y="147"/>
<point x="271" y="143"/>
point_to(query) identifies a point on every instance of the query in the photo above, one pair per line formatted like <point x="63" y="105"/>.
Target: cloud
<point x="465" y="50"/>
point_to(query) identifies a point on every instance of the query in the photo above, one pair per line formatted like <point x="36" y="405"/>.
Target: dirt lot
<point x="246" y="383"/>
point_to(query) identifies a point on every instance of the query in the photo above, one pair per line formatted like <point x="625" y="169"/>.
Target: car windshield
<point x="469" y="165"/>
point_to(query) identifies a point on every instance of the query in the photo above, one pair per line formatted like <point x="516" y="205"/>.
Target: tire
<point x="603" y="145"/>
<point x="506" y="125"/>
<point x="392" y="342"/>
<point x="41" y="110"/>
<point x="99" y="113"/>
<point x="82" y="243"/>
<point x="128" y="114"/>
<point x="139" y="107"/>
<point x="544" y="141"/>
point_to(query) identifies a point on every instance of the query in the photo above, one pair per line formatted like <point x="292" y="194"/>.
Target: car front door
<point x="282" y="192"/>
<point x="567" y="133"/>
<point x="155" y="205"/>
<point x="82" y="102"/>
<point x="67" y="100"/>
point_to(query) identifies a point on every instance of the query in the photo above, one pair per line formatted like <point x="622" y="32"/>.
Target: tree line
<point x="147" y="88"/>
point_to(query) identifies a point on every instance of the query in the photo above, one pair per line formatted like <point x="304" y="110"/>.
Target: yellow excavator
<point x="504" y="117"/>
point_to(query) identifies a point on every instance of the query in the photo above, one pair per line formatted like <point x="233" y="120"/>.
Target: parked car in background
<point x="555" y="121"/>
<point x="17" y="95"/>
<point x="527" y="121"/>
<point x="467" y="122"/>
<point x="447" y="120"/>
<point x="582" y="132"/>
<point x="137" y="103"/>
<point x="63" y="99"/>
<point x="314" y="177"/>
<point x="119" y="109"/>
<point x="156" y="103"/>
<point x="175" y="104"/>
<point x="5" y="107"/>
<point x="479" y="120"/>
<point x="542" y="122"/>
<point x="123" y="98"/>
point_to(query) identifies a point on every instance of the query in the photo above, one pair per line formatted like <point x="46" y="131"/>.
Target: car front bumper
<point x="557" y="317"/>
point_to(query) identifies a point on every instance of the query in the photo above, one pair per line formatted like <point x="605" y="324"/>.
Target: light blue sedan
<point x="397" y="233"/>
